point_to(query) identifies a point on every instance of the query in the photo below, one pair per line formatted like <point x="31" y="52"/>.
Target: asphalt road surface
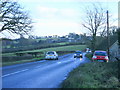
<point x="40" y="74"/>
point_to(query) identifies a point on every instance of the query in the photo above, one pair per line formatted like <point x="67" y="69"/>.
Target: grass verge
<point x="21" y="61"/>
<point x="94" y="75"/>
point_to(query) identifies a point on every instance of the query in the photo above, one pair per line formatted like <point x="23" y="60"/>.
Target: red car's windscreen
<point x="100" y="54"/>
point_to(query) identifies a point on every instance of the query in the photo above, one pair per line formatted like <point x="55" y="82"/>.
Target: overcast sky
<point x="60" y="17"/>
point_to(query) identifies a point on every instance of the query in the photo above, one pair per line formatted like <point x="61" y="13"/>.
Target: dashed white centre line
<point x="15" y="72"/>
<point x="59" y="62"/>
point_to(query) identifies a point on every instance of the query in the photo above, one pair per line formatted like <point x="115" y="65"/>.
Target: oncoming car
<point x="100" y="56"/>
<point x="88" y="50"/>
<point x="78" y="54"/>
<point x="51" y="55"/>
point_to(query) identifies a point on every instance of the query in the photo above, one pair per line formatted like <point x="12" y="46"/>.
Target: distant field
<point x="47" y="44"/>
<point x="62" y="48"/>
<point x="11" y="58"/>
<point x="63" y="43"/>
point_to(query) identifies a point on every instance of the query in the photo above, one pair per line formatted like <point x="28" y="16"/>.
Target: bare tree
<point x="13" y="19"/>
<point x="94" y="21"/>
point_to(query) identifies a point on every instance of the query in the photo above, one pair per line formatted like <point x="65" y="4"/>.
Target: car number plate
<point x="100" y="60"/>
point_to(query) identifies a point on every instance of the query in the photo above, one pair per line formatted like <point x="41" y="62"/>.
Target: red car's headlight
<point x="94" y="57"/>
<point x="106" y="57"/>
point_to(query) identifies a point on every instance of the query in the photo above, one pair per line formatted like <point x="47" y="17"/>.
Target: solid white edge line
<point x="42" y="61"/>
<point x="15" y="72"/>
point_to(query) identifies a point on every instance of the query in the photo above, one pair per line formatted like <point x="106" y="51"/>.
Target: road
<point x="40" y="74"/>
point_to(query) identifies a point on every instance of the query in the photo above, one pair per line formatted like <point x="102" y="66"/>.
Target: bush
<point x="89" y="55"/>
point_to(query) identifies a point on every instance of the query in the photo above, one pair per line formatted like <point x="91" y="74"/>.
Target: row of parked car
<point x="97" y="56"/>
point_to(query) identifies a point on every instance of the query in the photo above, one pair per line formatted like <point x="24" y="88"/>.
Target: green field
<point x="11" y="61"/>
<point x="62" y="48"/>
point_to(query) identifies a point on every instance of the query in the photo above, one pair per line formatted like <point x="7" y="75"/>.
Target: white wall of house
<point x="114" y="49"/>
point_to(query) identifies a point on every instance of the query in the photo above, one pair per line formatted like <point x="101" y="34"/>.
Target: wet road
<point x="40" y="74"/>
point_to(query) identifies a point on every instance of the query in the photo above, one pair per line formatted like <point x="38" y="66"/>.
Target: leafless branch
<point x="13" y="18"/>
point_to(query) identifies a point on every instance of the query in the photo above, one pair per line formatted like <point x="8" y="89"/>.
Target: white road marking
<point x="15" y="72"/>
<point x="66" y="61"/>
<point x="28" y="69"/>
<point x="59" y="62"/>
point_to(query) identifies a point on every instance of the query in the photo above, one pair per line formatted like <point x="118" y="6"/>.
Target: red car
<point x="100" y="56"/>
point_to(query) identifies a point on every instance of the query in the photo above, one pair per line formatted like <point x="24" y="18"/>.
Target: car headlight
<point x="94" y="57"/>
<point x="106" y="57"/>
<point x="75" y="54"/>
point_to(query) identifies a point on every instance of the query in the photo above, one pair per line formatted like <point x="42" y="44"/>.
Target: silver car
<point x="51" y="55"/>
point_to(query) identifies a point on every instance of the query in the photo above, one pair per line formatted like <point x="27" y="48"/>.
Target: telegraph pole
<point x="108" y="38"/>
